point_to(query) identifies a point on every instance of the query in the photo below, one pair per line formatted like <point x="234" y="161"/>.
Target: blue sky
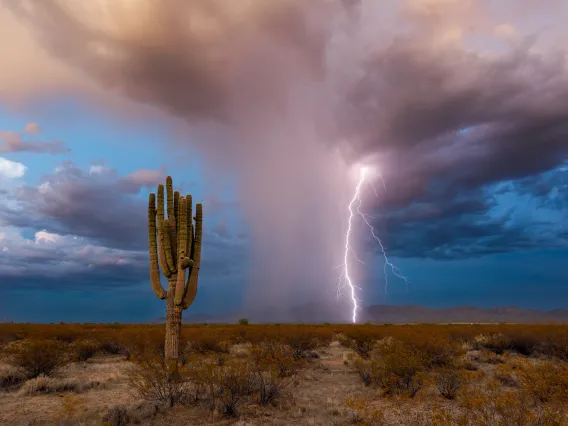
<point x="465" y="117"/>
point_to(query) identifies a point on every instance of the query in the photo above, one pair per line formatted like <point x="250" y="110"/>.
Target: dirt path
<point x="319" y="397"/>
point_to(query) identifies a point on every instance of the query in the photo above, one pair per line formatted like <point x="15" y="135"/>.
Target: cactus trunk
<point x="173" y="326"/>
<point x="174" y="245"/>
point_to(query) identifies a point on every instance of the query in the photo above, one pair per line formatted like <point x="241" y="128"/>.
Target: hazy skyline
<point x="262" y="110"/>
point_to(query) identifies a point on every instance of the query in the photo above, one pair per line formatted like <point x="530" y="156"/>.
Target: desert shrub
<point x="366" y="370"/>
<point x="117" y="416"/>
<point x="207" y="345"/>
<point x="65" y="335"/>
<point x="270" y="386"/>
<point x="150" y="379"/>
<point x="243" y="321"/>
<point x="82" y="350"/>
<point x="10" y="377"/>
<point x="448" y="383"/>
<point x="364" y="413"/>
<point x="488" y="357"/>
<point x="545" y="381"/>
<point x="111" y="347"/>
<point x="44" y="384"/>
<point x="556" y="345"/>
<point x="302" y="345"/>
<point x="524" y="343"/>
<point x="226" y="386"/>
<point x="461" y="337"/>
<point x="394" y="366"/>
<point x="235" y="381"/>
<point x="504" y="375"/>
<point x="36" y="357"/>
<point x="200" y="372"/>
<point x="276" y="356"/>
<point x="468" y="365"/>
<point x="144" y="344"/>
<point x="497" y="342"/>
<point x="439" y="352"/>
<point x="409" y="384"/>
<point x="493" y="406"/>
<point x="361" y="344"/>
<point x="525" y="340"/>
<point x="272" y="364"/>
<point x="7" y="338"/>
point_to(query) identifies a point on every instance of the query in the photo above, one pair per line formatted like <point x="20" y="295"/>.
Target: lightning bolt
<point x="354" y="208"/>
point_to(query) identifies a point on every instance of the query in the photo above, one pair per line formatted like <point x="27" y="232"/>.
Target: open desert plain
<point x="286" y="374"/>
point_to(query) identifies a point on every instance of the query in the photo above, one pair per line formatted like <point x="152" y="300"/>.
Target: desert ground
<point x="91" y="374"/>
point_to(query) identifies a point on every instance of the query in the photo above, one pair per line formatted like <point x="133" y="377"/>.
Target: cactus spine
<point x="175" y="245"/>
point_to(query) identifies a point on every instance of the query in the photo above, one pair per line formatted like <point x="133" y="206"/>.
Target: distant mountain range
<point x="461" y="314"/>
<point x="314" y="313"/>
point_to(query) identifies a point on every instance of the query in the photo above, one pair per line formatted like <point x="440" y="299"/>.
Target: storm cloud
<point x="86" y="229"/>
<point x="444" y="97"/>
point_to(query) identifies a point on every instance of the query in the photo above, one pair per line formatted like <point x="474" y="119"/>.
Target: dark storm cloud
<point x="197" y="45"/>
<point x="514" y="107"/>
<point x="75" y="202"/>
<point x="446" y="122"/>
<point x="51" y="275"/>
<point x="466" y="224"/>
<point x="453" y="235"/>
<point x="51" y="261"/>
<point x="90" y="229"/>
<point x="449" y="147"/>
<point x="551" y="188"/>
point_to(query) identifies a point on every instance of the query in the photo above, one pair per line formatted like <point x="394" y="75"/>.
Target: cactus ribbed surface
<point x="175" y="245"/>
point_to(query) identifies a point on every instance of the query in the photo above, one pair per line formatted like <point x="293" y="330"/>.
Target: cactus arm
<point x="161" y="234"/>
<point x="173" y="243"/>
<point x="182" y="228"/>
<point x="170" y="197"/>
<point x="180" y="284"/>
<point x="192" y="239"/>
<point x="176" y="214"/>
<point x="189" y="204"/>
<point x="196" y="250"/>
<point x="191" y="287"/>
<point x="172" y="219"/>
<point x="190" y="294"/>
<point x="168" y="246"/>
<point x="153" y="247"/>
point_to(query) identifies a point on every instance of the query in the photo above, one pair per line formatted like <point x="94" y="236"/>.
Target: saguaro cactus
<point x="175" y="245"/>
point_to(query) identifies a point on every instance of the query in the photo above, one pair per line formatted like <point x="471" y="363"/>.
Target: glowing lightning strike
<point x="348" y="247"/>
<point x="355" y="209"/>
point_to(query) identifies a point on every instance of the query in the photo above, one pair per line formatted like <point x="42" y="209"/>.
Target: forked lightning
<point x="354" y="208"/>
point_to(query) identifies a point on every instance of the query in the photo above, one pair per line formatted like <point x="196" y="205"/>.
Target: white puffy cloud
<point x="11" y="169"/>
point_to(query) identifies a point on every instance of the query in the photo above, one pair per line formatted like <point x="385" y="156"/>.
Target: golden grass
<point x="283" y="374"/>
